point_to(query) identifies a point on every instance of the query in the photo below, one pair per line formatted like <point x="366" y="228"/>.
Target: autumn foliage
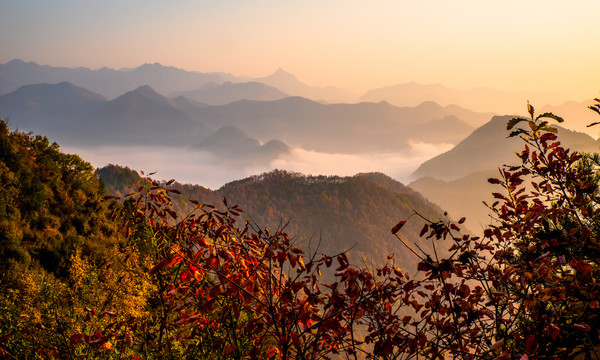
<point x="207" y="285"/>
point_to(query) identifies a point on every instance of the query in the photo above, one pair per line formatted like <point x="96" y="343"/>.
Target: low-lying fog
<point x="202" y="168"/>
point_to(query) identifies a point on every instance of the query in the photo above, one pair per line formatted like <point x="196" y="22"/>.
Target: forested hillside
<point x="50" y="205"/>
<point x="63" y="252"/>
<point x="329" y="214"/>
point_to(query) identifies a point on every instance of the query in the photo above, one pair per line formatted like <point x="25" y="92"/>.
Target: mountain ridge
<point x="329" y="214"/>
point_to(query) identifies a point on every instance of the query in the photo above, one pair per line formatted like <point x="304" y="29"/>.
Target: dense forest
<point x="102" y="272"/>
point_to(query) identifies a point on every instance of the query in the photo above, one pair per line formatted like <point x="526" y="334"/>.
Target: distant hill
<point x="289" y="84"/>
<point x="143" y="116"/>
<point x="166" y="80"/>
<point x="109" y="82"/>
<point x="461" y="197"/>
<point x="221" y="94"/>
<point x="234" y="145"/>
<point x="457" y="180"/>
<point x="337" y="128"/>
<point x="478" y="99"/>
<point x="76" y="116"/>
<point x="577" y="116"/>
<point x="48" y="108"/>
<point x="487" y="148"/>
<point x="330" y="213"/>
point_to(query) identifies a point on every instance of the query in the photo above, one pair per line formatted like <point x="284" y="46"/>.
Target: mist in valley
<point x="206" y="169"/>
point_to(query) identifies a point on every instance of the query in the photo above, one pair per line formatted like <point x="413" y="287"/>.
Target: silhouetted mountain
<point x="577" y="116"/>
<point x="487" y="148"/>
<point x="228" y="92"/>
<point x="457" y="179"/>
<point x="234" y="145"/>
<point x="108" y="82"/>
<point x="289" y="84"/>
<point x="186" y="104"/>
<point x="461" y="197"/>
<point x="478" y="99"/>
<point x="327" y="213"/>
<point x="76" y="116"/>
<point x="335" y="128"/>
<point x="48" y="108"/>
<point x="452" y="128"/>
<point x="7" y="86"/>
<point x="143" y="116"/>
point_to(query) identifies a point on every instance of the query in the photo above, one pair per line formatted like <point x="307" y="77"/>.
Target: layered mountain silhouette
<point x="457" y="180"/>
<point x="478" y="99"/>
<point x="108" y="82"/>
<point x="164" y="79"/>
<point x="327" y="214"/>
<point x="75" y="116"/>
<point x="232" y="144"/>
<point x="221" y="94"/>
<point x="290" y="84"/>
<point x="48" y="108"/>
<point x="577" y="116"/>
<point x="488" y="147"/>
<point x="336" y="128"/>
<point x="145" y="117"/>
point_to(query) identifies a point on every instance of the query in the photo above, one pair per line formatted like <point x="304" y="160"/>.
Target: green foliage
<point x="50" y="203"/>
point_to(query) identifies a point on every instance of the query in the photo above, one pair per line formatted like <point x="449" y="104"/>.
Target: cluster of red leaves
<point x="231" y="291"/>
<point x="527" y="288"/>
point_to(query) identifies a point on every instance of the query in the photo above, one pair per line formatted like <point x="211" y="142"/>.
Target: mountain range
<point x="228" y="92"/>
<point x="74" y="115"/>
<point x="477" y="99"/>
<point x="488" y="147"/>
<point x="244" y="121"/>
<point x="457" y="179"/>
<point x="166" y="80"/>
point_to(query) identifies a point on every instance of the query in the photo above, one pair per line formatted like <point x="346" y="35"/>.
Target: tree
<point x="528" y="287"/>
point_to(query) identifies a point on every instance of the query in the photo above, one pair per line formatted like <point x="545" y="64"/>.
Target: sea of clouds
<point x="202" y="168"/>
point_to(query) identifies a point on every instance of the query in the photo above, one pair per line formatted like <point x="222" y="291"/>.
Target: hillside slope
<point x="328" y="214"/>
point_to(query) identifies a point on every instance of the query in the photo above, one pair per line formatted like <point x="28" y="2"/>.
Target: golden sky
<point x="545" y="46"/>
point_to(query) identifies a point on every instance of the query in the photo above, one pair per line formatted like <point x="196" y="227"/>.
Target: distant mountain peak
<point x="280" y="73"/>
<point x="150" y="65"/>
<point x="16" y="61"/>
<point x="146" y="91"/>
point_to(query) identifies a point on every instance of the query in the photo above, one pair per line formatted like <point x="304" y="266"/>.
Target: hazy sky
<point x="511" y="45"/>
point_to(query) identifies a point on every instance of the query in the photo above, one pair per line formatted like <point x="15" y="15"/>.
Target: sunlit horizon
<point x="510" y="46"/>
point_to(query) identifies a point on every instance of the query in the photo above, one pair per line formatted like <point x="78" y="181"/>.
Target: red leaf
<point x="424" y="230"/>
<point x="77" y="338"/>
<point x="553" y="331"/>
<point x="273" y="352"/>
<point x="398" y="226"/>
<point x="530" y="344"/>
<point x="159" y="266"/>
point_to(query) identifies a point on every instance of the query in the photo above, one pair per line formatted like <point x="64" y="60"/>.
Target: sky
<point x="510" y="45"/>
